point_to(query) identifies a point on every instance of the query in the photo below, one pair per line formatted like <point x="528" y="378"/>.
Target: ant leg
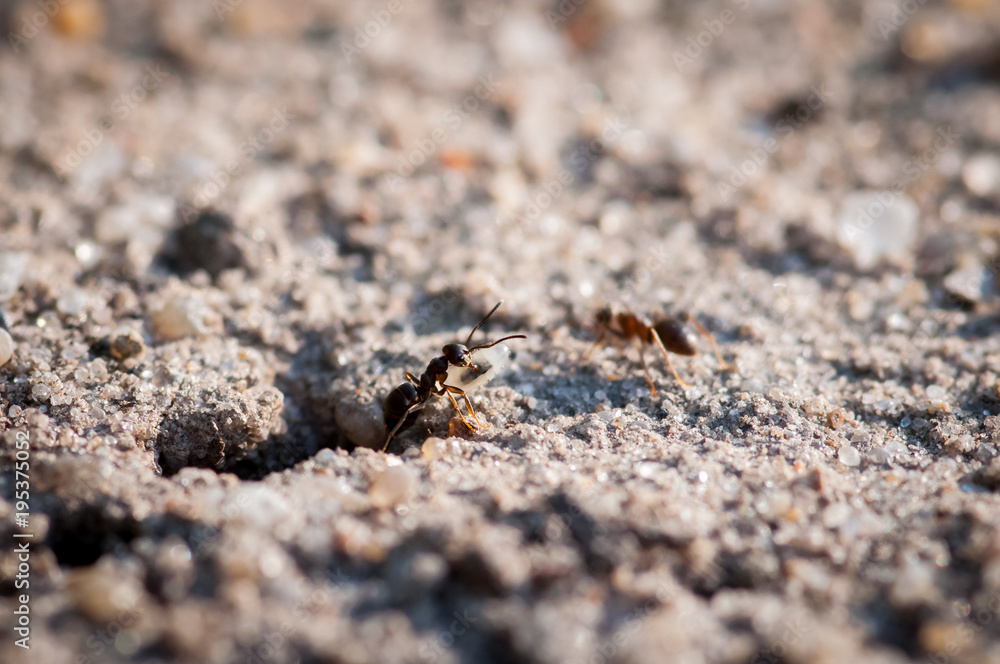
<point x="670" y="364"/>
<point x="597" y="343"/>
<point x="649" y="379"/>
<point x="454" y="403"/>
<point x="711" y="339"/>
<point x="392" y="433"/>
<point x="468" y="404"/>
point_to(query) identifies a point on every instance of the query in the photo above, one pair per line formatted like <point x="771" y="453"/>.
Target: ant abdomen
<point x="398" y="405"/>
<point x="675" y="337"/>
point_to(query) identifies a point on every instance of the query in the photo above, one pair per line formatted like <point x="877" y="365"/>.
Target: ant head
<point x="603" y="316"/>
<point x="456" y="354"/>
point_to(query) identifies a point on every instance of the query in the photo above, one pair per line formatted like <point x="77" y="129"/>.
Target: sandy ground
<point x="228" y="228"/>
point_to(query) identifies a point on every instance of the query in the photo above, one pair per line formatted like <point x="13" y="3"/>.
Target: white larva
<point x="488" y="361"/>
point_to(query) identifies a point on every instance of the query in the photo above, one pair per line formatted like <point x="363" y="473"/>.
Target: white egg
<point x="488" y="361"/>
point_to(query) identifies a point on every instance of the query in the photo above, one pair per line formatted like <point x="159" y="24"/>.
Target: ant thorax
<point x="487" y="363"/>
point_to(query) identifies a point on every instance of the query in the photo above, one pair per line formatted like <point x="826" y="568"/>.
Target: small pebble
<point x="879" y="455"/>
<point x="6" y="347"/>
<point x="981" y="174"/>
<point x="860" y="436"/>
<point x="88" y="254"/>
<point x="13" y="266"/>
<point x="935" y="392"/>
<point x="103" y="594"/>
<point x="83" y="20"/>
<point x="72" y="301"/>
<point x="970" y="283"/>
<point x="180" y="317"/>
<point x="438" y="448"/>
<point x="615" y="217"/>
<point x="878" y="225"/>
<point x="125" y="346"/>
<point x="894" y="447"/>
<point x="393" y="486"/>
<point x="363" y="424"/>
<point x="41" y="392"/>
<point x="849" y="456"/>
<point x="207" y="242"/>
<point x="325" y="455"/>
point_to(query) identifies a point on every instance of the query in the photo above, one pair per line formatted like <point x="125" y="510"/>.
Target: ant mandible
<point x="401" y="405"/>
<point x="667" y="333"/>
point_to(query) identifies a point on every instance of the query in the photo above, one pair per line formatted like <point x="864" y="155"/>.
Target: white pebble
<point x="935" y="392"/>
<point x="438" y="448"/>
<point x="836" y="515"/>
<point x="615" y="217"/>
<point x="40" y="392"/>
<point x="895" y="447"/>
<point x="72" y="301"/>
<point x="878" y="225"/>
<point x="88" y="254"/>
<point x="392" y="487"/>
<point x="13" y="265"/>
<point x="971" y="282"/>
<point x="981" y="174"/>
<point x="6" y="347"/>
<point x="849" y="456"/>
<point x="180" y="317"/>
<point x="324" y="456"/>
<point x="134" y="218"/>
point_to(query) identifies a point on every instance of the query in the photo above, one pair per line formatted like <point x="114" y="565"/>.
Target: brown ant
<point x="667" y="333"/>
<point x="445" y="376"/>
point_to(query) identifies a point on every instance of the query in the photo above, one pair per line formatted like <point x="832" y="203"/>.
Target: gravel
<point x="229" y="228"/>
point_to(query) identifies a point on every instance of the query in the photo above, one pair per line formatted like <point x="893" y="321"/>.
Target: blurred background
<point x="227" y="227"/>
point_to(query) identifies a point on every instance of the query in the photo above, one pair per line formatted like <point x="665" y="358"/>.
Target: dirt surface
<point x="228" y="228"/>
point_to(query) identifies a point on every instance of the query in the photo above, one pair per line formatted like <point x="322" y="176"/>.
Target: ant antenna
<point x="480" y="323"/>
<point x="513" y="336"/>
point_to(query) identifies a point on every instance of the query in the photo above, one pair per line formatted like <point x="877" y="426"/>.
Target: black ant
<point x="667" y="333"/>
<point x="401" y="405"/>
